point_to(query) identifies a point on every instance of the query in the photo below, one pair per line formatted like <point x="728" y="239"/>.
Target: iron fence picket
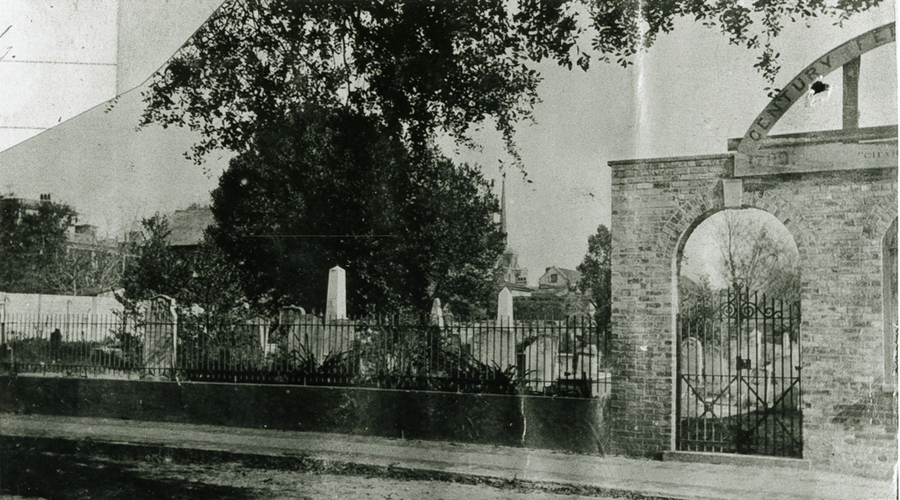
<point x="751" y="403"/>
<point x="481" y="356"/>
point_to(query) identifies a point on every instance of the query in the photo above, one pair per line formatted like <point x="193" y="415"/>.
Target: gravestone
<point x="588" y="364"/>
<point x="336" y="303"/>
<point x="338" y="332"/>
<point x="294" y="327"/>
<point x="542" y="363"/>
<point x="491" y="345"/>
<point x="437" y="315"/>
<point x="257" y="327"/>
<point x="716" y="370"/>
<point x="692" y="390"/>
<point x="505" y="308"/>
<point x="160" y="338"/>
<point x="588" y="361"/>
<point x="783" y="371"/>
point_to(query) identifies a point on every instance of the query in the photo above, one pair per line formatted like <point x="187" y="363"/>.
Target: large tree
<point x="200" y="277"/>
<point x="422" y="66"/>
<point x="86" y="271"/>
<point x="596" y="274"/>
<point x="332" y="187"/>
<point x="754" y="254"/>
<point x="32" y="240"/>
<point x="418" y="65"/>
<point x="157" y="269"/>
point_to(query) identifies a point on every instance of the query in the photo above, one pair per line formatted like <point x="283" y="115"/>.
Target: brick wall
<point x="654" y="201"/>
<point x="838" y="221"/>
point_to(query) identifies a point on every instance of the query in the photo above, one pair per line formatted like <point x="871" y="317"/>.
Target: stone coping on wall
<point x="860" y="134"/>
<point x="671" y="159"/>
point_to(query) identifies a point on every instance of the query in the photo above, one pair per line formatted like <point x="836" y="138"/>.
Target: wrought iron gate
<point x="738" y="375"/>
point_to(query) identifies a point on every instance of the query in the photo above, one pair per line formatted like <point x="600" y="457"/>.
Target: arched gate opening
<point x="738" y="383"/>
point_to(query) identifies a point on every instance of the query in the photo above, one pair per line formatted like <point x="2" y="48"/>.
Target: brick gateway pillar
<point x="836" y="192"/>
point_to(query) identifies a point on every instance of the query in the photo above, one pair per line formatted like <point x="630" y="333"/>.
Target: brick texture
<point x="838" y="221"/>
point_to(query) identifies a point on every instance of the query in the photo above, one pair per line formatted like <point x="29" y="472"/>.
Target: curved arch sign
<point x="747" y="153"/>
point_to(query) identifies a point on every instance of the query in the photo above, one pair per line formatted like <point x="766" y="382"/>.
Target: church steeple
<point x="503" y="213"/>
<point x="508" y="261"/>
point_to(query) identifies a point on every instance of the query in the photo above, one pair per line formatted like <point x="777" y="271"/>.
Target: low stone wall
<point x="39" y="304"/>
<point x="566" y="424"/>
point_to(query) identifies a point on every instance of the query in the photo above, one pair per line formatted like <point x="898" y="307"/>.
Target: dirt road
<point x="35" y="474"/>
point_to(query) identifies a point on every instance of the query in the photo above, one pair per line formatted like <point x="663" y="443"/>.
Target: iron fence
<point x="739" y="376"/>
<point x="563" y="357"/>
<point x="72" y="344"/>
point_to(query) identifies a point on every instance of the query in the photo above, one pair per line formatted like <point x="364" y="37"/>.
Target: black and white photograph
<point x="448" y="249"/>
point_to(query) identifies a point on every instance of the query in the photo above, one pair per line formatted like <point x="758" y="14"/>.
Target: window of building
<point x="554" y="278"/>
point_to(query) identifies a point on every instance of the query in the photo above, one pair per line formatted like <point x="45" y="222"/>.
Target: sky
<point x="687" y="95"/>
<point x="703" y="250"/>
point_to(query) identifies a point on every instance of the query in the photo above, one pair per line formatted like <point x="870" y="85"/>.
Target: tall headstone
<point x="160" y="334"/>
<point x="505" y="308"/>
<point x="437" y="314"/>
<point x="336" y="305"/>
<point x="760" y="348"/>
<point x="258" y="327"/>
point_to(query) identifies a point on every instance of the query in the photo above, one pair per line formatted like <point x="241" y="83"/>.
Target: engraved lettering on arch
<point x="796" y="87"/>
<point x="811" y="73"/>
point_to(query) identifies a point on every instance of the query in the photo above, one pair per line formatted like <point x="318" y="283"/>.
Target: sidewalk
<point x="539" y="469"/>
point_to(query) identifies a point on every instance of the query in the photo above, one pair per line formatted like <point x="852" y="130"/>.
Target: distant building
<point x="91" y="265"/>
<point x="559" y="281"/>
<point x="511" y="273"/>
<point x="12" y="210"/>
<point x="188" y="228"/>
<point x="80" y="237"/>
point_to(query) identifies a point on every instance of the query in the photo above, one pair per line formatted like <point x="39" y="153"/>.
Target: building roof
<point x="189" y="226"/>
<point x="572" y="276"/>
<point x="515" y="287"/>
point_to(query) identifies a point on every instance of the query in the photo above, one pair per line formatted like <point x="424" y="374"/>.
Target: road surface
<point x="34" y="474"/>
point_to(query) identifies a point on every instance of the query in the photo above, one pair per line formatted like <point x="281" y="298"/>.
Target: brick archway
<point x="708" y="383"/>
<point x="693" y="212"/>
<point x="837" y="220"/>
<point x="836" y="194"/>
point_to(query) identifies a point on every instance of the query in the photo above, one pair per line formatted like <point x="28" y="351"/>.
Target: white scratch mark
<point x="524" y="419"/>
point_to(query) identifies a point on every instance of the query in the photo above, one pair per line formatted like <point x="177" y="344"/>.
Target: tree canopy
<point x="199" y="276"/>
<point x="745" y="247"/>
<point x="423" y="66"/>
<point x="32" y="241"/>
<point x="754" y="255"/>
<point x="596" y="274"/>
<point x="332" y="188"/>
<point x="334" y="107"/>
<point x="418" y="65"/>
